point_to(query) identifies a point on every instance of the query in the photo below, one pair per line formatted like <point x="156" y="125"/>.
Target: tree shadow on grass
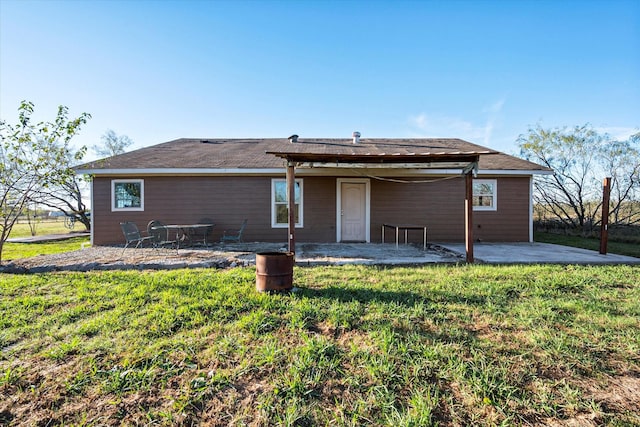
<point x="404" y="298"/>
<point x="401" y="322"/>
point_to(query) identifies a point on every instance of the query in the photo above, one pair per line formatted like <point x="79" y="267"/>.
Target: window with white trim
<point x="127" y="195"/>
<point x="280" y="204"/>
<point x="485" y="195"/>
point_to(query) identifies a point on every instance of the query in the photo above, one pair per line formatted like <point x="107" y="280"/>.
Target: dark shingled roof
<point x="259" y="153"/>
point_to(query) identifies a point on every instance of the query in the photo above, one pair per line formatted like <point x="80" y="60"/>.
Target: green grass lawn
<point x="26" y="250"/>
<point x="620" y="248"/>
<point x="435" y="345"/>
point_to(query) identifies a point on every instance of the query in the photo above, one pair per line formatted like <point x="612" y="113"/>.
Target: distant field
<point x="55" y="226"/>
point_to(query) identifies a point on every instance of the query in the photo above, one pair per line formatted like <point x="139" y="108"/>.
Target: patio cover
<point x="393" y="155"/>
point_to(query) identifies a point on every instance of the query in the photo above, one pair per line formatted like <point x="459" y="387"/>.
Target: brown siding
<point x="440" y="206"/>
<point x="510" y="223"/>
<point x="228" y="200"/>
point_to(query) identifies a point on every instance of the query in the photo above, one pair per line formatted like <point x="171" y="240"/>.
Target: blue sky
<point x="484" y="71"/>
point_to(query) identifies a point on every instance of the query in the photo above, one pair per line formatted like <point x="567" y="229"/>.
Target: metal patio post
<point x="604" y="222"/>
<point x="291" y="191"/>
<point x="468" y="216"/>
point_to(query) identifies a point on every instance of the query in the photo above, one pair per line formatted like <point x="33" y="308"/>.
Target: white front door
<point x="353" y="211"/>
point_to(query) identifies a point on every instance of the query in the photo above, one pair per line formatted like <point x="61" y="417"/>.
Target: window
<point x="127" y="195"/>
<point x="485" y="193"/>
<point x="279" y="204"/>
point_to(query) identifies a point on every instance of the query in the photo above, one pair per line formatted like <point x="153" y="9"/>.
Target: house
<point x="345" y="189"/>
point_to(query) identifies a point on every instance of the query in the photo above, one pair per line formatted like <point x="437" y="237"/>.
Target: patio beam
<point x="291" y="191"/>
<point x="468" y="216"/>
<point x="397" y="159"/>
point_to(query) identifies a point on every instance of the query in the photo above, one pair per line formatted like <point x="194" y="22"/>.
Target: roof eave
<point x="180" y="171"/>
<point x="280" y="171"/>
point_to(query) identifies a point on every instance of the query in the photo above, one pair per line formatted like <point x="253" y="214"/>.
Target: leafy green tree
<point x="33" y="159"/>
<point x="581" y="157"/>
<point x="112" y="144"/>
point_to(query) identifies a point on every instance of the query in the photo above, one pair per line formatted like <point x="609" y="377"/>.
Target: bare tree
<point x="31" y="156"/>
<point x="65" y="191"/>
<point x="621" y="161"/>
<point x="112" y="144"/>
<point x="581" y="158"/>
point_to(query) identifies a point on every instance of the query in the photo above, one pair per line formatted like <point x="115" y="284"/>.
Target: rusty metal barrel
<point x="274" y="271"/>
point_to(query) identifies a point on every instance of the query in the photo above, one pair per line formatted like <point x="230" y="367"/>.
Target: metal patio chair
<point x="233" y="235"/>
<point x="159" y="235"/>
<point x="132" y="235"/>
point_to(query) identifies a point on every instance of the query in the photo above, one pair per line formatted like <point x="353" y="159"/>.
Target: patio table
<point x="406" y="228"/>
<point x="182" y="231"/>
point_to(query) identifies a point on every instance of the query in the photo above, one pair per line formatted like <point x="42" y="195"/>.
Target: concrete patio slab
<point x="537" y="253"/>
<point x="371" y="254"/>
<point x="307" y="254"/>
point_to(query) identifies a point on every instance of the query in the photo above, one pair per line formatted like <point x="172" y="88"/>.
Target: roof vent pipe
<point x="293" y="138"/>
<point x="356" y="137"/>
